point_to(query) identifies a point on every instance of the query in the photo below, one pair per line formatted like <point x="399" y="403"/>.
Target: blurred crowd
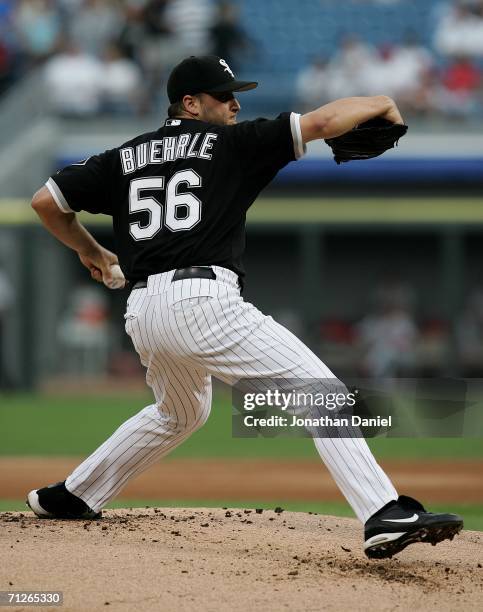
<point x="442" y="79"/>
<point x="112" y="56"/>
<point x="357" y="68"/>
<point x="391" y="341"/>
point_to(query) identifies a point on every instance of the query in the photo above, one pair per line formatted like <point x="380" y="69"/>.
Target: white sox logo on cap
<point x="227" y="68"/>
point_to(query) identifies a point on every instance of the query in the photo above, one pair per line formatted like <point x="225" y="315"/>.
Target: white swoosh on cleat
<point x="411" y="519"/>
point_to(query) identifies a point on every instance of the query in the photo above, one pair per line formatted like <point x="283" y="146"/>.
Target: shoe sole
<point x="430" y="535"/>
<point x="32" y="502"/>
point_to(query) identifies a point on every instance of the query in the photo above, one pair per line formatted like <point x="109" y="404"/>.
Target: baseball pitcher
<point x="178" y="197"/>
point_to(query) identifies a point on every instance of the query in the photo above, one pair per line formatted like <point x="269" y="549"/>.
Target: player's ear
<point x="192" y="105"/>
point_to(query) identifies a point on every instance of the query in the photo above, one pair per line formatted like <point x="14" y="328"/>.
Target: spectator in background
<point x="74" y="82"/>
<point x="414" y="66"/>
<point x="159" y="33"/>
<point x="312" y="85"/>
<point x="388" y="336"/>
<point x="401" y="70"/>
<point x="85" y="333"/>
<point x="348" y="68"/>
<point x="157" y="48"/>
<point x="381" y="74"/>
<point x="133" y="33"/>
<point x="412" y="62"/>
<point x="424" y="99"/>
<point x="460" y="29"/>
<point x="95" y="24"/>
<point x="38" y="27"/>
<point x="406" y="72"/>
<point x="154" y="14"/>
<point x="121" y="83"/>
<point x="190" y="22"/>
<point x="228" y="39"/>
<point x="460" y="82"/>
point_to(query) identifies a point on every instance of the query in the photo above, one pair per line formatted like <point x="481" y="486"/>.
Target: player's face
<point x="219" y="108"/>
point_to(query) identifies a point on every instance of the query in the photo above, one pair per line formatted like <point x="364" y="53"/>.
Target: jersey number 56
<point x="182" y="211"/>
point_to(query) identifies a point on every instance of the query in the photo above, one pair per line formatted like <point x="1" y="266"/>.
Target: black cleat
<point x="403" y="522"/>
<point x="56" y="502"/>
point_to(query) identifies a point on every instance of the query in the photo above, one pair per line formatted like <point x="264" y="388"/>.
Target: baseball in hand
<point x="118" y="280"/>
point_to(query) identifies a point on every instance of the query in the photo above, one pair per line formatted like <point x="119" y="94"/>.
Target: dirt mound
<point x="239" y="560"/>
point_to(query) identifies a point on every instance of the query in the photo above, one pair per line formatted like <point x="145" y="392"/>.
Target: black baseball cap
<point x="203" y="74"/>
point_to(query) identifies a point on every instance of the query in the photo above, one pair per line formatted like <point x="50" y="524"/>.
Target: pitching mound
<point x="238" y="560"/>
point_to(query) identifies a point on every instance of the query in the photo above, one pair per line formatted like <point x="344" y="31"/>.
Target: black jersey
<point x="179" y="196"/>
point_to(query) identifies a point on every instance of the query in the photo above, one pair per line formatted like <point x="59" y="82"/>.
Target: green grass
<point x="472" y="513"/>
<point x="33" y="425"/>
<point x="54" y="426"/>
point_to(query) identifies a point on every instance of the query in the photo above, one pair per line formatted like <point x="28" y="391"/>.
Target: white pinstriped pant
<point x="185" y="332"/>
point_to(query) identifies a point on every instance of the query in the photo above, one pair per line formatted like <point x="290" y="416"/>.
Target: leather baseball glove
<point x="366" y="140"/>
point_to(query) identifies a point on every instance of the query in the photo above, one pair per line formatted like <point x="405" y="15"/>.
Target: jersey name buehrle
<point x="169" y="148"/>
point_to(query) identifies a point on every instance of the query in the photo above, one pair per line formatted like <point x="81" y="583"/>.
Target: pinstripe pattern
<point x="185" y="332"/>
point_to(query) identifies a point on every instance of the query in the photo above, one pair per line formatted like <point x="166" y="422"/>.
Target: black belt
<point x="182" y="273"/>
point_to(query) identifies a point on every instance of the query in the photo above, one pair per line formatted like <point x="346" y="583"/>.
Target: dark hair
<point x="175" y="109"/>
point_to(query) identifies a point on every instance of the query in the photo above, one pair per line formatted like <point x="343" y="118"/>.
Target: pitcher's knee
<point x="184" y="422"/>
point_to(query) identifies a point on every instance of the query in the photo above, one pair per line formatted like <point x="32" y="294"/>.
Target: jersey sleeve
<point x="274" y="142"/>
<point x="83" y="185"/>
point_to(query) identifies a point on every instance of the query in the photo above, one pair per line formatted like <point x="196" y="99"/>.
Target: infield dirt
<point x="211" y="560"/>
<point x="261" y="479"/>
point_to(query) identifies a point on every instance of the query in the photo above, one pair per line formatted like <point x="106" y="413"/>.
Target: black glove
<point x="367" y="140"/>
